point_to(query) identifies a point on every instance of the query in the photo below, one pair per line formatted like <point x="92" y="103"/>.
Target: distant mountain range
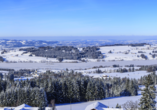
<point x="7" y="43"/>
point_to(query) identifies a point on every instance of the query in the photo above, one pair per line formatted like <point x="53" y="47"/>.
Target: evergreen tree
<point x="133" y="89"/>
<point x="70" y="91"/>
<point x="147" y="101"/>
<point x="96" y="92"/>
<point x="107" y="92"/>
<point x="42" y="98"/>
<point x="64" y="91"/>
<point x="101" y="90"/>
<point x="88" y="91"/>
<point x="50" y="91"/>
<point x="133" y="69"/>
<point x="127" y="86"/>
<point x="82" y="90"/>
<point x="76" y="89"/>
<point x="58" y="92"/>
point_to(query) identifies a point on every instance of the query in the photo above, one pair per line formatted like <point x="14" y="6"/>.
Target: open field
<point x="58" y="66"/>
<point x="109" y="53"/>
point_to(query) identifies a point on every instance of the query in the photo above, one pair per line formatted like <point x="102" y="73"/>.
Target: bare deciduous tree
<point x="130" y="105"/>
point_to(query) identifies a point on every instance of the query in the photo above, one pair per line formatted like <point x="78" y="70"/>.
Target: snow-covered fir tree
<point x="147" y="101"/>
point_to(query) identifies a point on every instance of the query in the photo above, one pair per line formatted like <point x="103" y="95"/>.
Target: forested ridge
<point x="65" y="52"/>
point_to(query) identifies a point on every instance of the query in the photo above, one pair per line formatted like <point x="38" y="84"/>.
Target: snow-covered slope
<point x="127" y="52"/>
<point x="17" y="56"/>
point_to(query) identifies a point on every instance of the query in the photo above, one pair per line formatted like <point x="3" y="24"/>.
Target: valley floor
<point x="59" y="66"/>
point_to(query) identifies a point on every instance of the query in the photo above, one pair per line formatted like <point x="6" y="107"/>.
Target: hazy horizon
<point x="69" y="38"/>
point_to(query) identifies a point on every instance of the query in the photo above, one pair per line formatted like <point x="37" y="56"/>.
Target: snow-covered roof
<point x="23" y="107"/>
<point x="97" y="106"/>
<point x="22" y="78"/>
<point x="100" y="106"/>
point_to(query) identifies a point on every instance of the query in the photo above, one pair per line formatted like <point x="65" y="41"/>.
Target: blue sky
<point x="78" y="18"/>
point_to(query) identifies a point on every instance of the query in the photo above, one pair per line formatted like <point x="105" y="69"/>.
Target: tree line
<point x="64" y="87"/>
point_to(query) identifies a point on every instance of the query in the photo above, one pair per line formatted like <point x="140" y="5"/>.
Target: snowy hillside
<point x="127" y="52"/>
<point x="17" y="56"/>
<point x="110" y="53"/>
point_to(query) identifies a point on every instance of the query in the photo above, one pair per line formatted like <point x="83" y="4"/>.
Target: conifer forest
<point x="64" y="87"/>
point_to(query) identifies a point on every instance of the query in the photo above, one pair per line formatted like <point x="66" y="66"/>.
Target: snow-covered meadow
<point x="17" y="56"/>
<point x="126" y="52"/>
<point x="118" y="53"/>
<point x="81" y="65"/>
<point x="131" y="75"/>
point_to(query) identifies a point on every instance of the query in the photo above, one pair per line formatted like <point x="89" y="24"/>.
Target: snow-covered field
<point x="110" y="73"/>
<point x="63" y="66"/>
<point x="16" y="56"/>
<point x="131" y="75"/>
<point x="126" y="53"/>
<point x="118" y="52"/>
